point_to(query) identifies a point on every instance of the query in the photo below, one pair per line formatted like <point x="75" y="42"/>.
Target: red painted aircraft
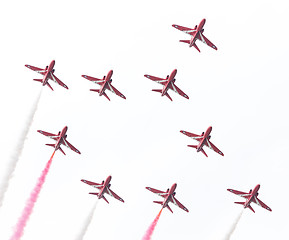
<point x="169" y="196"/>
<point x="48" y="73"/>
<point x="104" y="187"/>
<point x="168" y="83"/>
<point x="251" y="197"/>
<point x="204" y="140"/>
<point x="105" y="83"/>
<point x="196" y="34"/>
<point x="60" y="138"/>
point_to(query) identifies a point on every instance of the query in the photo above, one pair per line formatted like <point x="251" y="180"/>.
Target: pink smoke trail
<point x="22" y="221"/>
<point x="151" y="228"/>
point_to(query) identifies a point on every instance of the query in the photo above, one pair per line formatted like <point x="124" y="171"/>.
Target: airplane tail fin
<point x="51" y="145"/>
<point x="95" y="90"/>
<point x="94" y="193"/>
<point x="157" y="90"/>
<point x="105" y="199"/>
<point x="193" y="146"/>
<point x="38" y="80"/>
<point x="202" y="150"/>
<point x="169" y="208"/>
<point x="196" y="47"/>
<point x="62" y="150"/>
<point x="158" y="202"/>
<point x="169" y="97"/>
<point x="251" y="209"/>
<point x="185" y="41"/>
<point x="49" y="86"/>
<point x="243" y="203"/>
<point x="104" y="94"/>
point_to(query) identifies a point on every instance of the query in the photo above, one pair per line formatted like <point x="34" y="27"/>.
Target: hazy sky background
<point x="241" y="90"/>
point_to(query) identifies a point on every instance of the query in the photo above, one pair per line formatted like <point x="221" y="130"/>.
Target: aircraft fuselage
<point x="205" y="137"/>
<point x="61" y="136"/>
<point x="106" y="81"/>
<point x="48" y="72"/>
<point x="170" y="81"/>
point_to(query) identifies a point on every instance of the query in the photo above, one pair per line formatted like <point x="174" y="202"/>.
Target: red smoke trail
<point x="151" y="228"/>
<point x="22" y="221"/>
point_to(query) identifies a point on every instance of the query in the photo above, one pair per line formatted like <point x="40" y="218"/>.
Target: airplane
<point x="104" y="187"/>
<point x="105" y="83"/>
<point x="196" y="34"/>
<point x="251" y="197"/>
<point x="60" y="138"/>
<point x="168" y="83"/>
<point x="204" y="140"/>
<point x="169" y="196"/>
<point x="48" y="74"/>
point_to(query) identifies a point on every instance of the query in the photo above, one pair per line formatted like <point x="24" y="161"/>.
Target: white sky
<point x="241" y="90"/>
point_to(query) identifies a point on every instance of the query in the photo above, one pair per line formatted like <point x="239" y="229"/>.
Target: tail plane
<point x="243" y="203"/>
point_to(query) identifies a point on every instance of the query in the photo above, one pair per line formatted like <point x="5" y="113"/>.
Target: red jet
<point x="168" y="83"/>
<point x="251" y="197"/>
<point x="48" y="74"/>
<point x="105" y="83"/>
<point x="60" y="138"/>
<point x="196" y="34"/>
<point x="104" y="187"/>
<point x="204" y="140"/>
<point x="169" y="196"/>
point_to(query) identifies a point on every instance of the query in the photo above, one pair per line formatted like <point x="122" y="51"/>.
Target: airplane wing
<point x="189" y="31"/>
<point x="158" y="192"/>
<point x="111" y="193"/>
<point x="209" y="144"/>
<point x="156" y="79"/>
<point x="69" y="145"/>
<point x="239" y="193"/>
<point x="177" y="203"/>
<point x="95" y="80"/>
<point x="206" y="41"/>
<point x="192" y="135"/>
<point x="179" y="91"/>
<point x="93" y="184"/>
<point x="260" y="203"/>
<point x="36" y="69"/>
<point x="55" y="79"/>
<point x="50" y="135"/>
<point x="114" y="90"/>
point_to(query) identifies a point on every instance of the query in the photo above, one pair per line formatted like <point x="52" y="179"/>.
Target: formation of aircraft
<point x="104" y="187"/>
<point x="196" y="33"/>
<point x="48" y="74"/>
<point x="251" y="197"/>
<point x="168" y="83"/>
<point x="105" y="83"/>
<point x="204" y="140"/>
<point x="169" y="196"/>
<point x="60" y="138"/>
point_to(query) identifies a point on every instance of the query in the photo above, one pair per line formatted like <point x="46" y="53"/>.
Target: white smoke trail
<point x="18" y="151"/>
<point x="86" y="223"/>
<point x="233" y="227"/>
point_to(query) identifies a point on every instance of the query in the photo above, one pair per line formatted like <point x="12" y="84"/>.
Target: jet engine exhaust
<point x="151" y="228"/>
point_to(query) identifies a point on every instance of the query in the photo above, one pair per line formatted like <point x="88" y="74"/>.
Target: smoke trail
<point x="151" y="228"/>
<point x="86" y="223"/>
<point x="22" y="221"/>
<point x="17" y="153"/>
<point x="233" y="227"/>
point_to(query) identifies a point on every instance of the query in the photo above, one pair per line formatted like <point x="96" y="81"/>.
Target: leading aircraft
<point x="251" y="197"/>
<point x="204" y="140"/>
<point x="60" y="138"/>
<point x="48" y="73"/>
<point x="196" y="34"/>
<point x="168" y="83"/>
<point x="169" y="196"/>
<point x="104" y="187"/>
<point x="105" y="83"/>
